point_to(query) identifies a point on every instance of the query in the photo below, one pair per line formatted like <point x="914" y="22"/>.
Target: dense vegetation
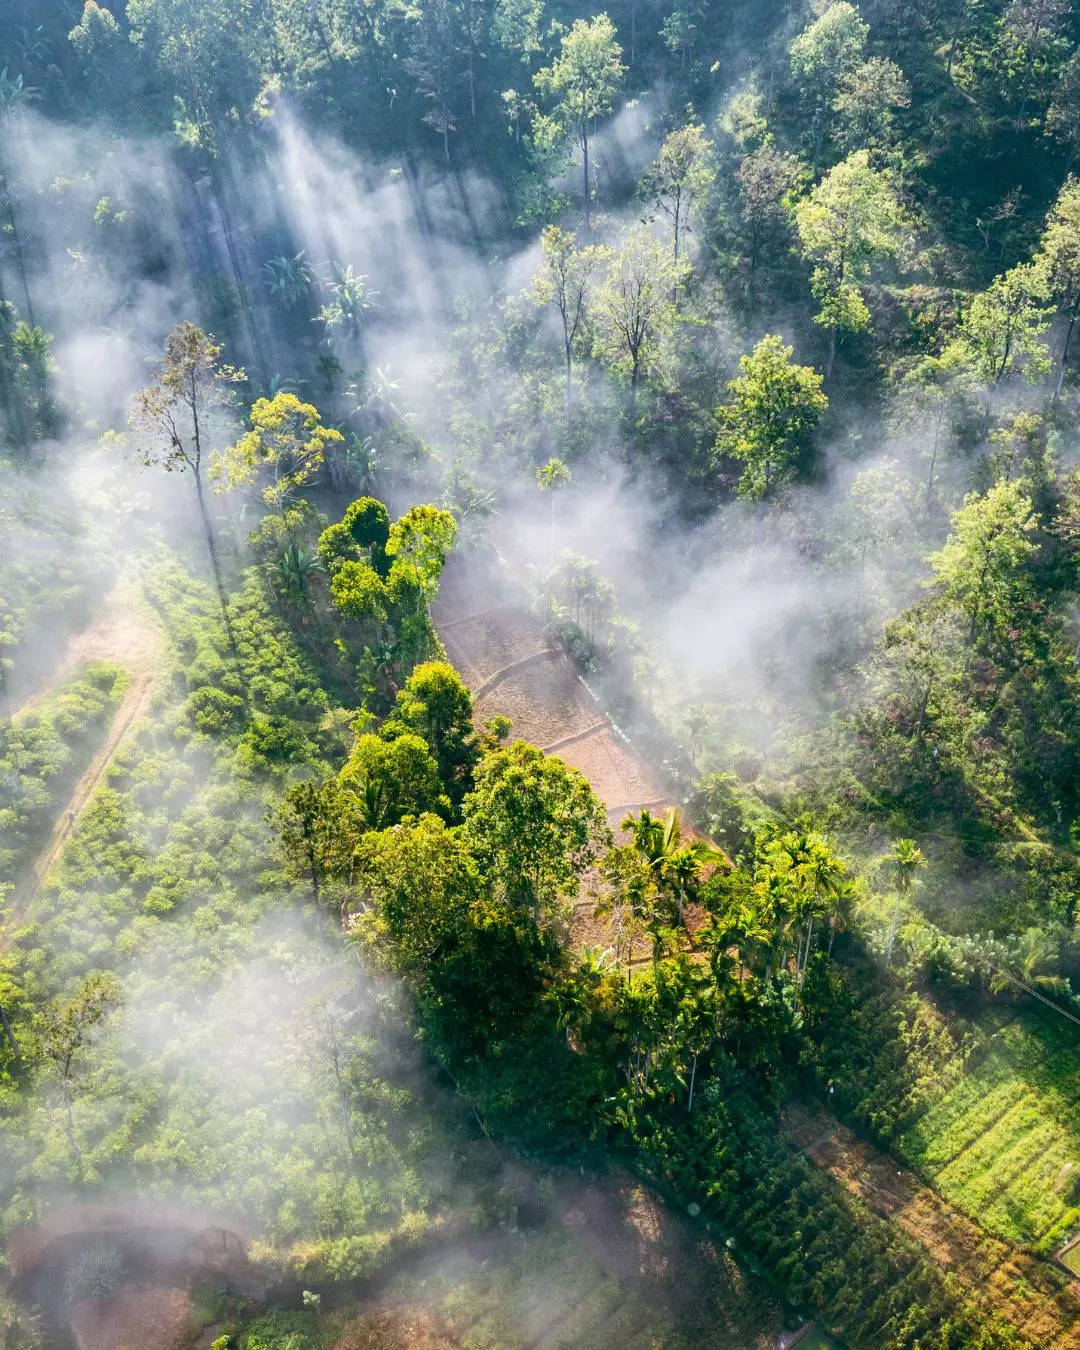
<point x="735" y="344"/>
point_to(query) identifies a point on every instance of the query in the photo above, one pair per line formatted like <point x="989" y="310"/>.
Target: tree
<point x="904" y="861"/>
<point x="423" y="537"/>
<point x="582" y="80"/>
<point x="315" y="830"/>
<point x="391" y="779"/>
<point x="982" y="569"/>
<point x="682" y="175"/>
<point x="422" y="881"/>
<point x="635" y="307"/>
<point x="175" y="419"/>
<point x="932" y="397"/>
<point x="550" y="477"/>
<point x="768" y="182"/>
<point x="436" y="704"/>
<point x="433" y="64"/>
<point x="287" y="443"/>
<point x="847" y="223"/>
<point x="65" y="1029"/>
<point x="289" y="278"/>
<point x="535" y="824"/>
<point x="1059" y="261"/>
<point x="821" y="55"/>
<point x="566" y="282"/>
<point x="1003" y="328"/>
<point x="359" y="593"/>
<point x="676" y="867"/>
<point x="773" y="408"/>
<point x="515" y="26"/>
<point x="361" y="535"/>
<point x="865" y="102"/>
<point x="351" y="298"/>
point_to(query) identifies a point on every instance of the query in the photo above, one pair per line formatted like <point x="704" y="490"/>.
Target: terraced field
<point x="504" y="657"/>
<point x="1003" y="1143"/>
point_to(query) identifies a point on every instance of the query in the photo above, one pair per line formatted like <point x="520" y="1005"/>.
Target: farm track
<point x="123" y="633"/>
<point x="135" y="700"/>
<point x="1030" y="1293"/>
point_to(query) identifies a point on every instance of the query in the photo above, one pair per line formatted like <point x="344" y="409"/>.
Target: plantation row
<point x="985" y="1109"/>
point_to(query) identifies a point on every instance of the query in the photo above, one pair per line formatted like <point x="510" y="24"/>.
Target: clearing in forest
<point x="514" y="670"/>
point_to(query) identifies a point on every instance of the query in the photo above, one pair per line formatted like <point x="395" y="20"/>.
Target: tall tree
<point x="286" y="447"/>
<point x="774" y="406"/>
<point x="1003" y="329"/>
<point x="635" y="307"/>
<point x="904" y="861"/>
<point x="566" y="282"/>
<point x="1059" y="260"/>
<point x="832" y="47"/>
<point x="535" y="824"/>
<point x="847" y="223"/>
<point x="982" y="568"/>
<point x="176" y="419"/>
<point x="681" y="177"/>
<point x="64" y="1031"/>
<point x="582" y="81"/>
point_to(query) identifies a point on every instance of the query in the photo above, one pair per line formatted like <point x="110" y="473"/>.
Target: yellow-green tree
<point x="851" y="220"/>
<point x="285" y="447"/>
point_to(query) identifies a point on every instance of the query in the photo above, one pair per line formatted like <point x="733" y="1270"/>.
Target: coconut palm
<point x="295" y="568"/>
<point x="903" y="861"/>
<point x="1034" y="950"/>
<point x="549" y="478"/>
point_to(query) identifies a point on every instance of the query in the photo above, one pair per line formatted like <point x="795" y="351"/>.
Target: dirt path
<point x="124" y="633"/>
<point x="1032" y="1294"/>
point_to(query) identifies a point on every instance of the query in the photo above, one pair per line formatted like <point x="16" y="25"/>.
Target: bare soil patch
<point x="141" y="1317"/>
<point x="485" y="644"/>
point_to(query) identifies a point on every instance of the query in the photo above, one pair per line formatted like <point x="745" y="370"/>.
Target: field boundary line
<point x="493" y="681"/>
<point x="561" y="744"/>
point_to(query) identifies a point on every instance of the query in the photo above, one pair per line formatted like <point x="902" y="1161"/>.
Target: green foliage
<point x="536" y="826"/>
<point x="42" y="753"/>
<point x="774" y="408"/>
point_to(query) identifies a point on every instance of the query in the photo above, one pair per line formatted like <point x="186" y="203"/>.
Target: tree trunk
<point x="69" y="1128"/>
<point x="634" y="374"/>
<point x="693" y="1075"/>
<point x="830" y="360"/>
<point x="1060" y="382"/>
<point x="342" y="1095"/>
<point x="10" y="1035"/>
<point x="569" y="382"/>
<point x="585" y="163"/>
<point x="892" y="932"/>
<point x="219" y="585"/>
<point x="933" y="460"/>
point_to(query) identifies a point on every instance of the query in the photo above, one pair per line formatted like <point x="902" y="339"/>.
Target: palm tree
<point x="676" y="867"/>
<point x="904" y="860"/>
<point x="289" y="278"/>
<point x="352" y="298"/>
<point x="1035" y="949"/>
<point x="295" y="568"/>
<point x="549" y="478"/>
